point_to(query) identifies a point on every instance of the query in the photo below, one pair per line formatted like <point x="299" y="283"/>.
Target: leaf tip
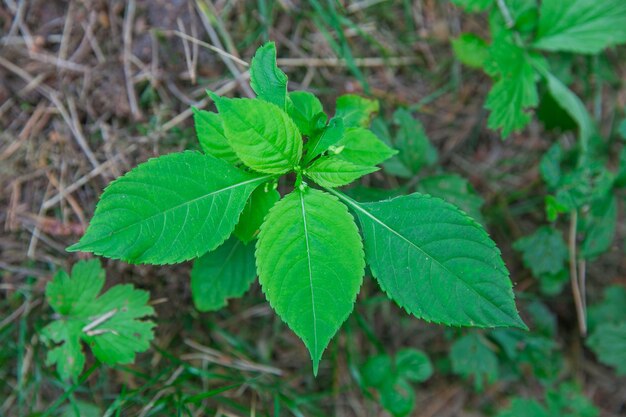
<point x="213" y="96"/>
<point x="519" y="324"/>
<point x="76" y="247"/>
<point x="316" y="366"/>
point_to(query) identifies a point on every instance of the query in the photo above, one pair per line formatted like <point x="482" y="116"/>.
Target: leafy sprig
<point x="428" y="256"/>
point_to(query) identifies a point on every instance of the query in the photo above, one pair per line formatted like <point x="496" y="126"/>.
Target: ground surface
<point x="88" y="89"/>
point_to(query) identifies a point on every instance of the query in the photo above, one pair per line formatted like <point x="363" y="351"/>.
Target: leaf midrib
<point x="308" y="255"/>
<point x="358" y="207"/>
<point x="212" y="193"/>
<point x="283" y="152"/>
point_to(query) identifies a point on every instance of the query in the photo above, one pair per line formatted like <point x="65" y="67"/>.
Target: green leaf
<point x="472" y="358"/>
<point x="306" y="111"/>
<point x="569" y="401"/>
<point x="608" y="341"/>
<point x="333" y="171"/>
<point x="169" y="209"/>
<point x="367" y="194"/>
<point x="612" y="309"/>
<point x="600" y="228"/>
<point x="581" y="26"/>
<point x="263" y="136"/>
<point x="570" y="103"/>
<point x="377" y="371"/>
<point x="550" y="166"/>
<point x="471" y="50"/>
<point x="109" y="324"/>
<point x="310" y="264"/>
<point x="393" y="165"/>
<point x="524" y="407"/>
<point x="259" y="203"/>
<point x="324" y="139"/>
<point x="414" y="365"/>
<point x="587" y="182"/>
<point x="210" y="134"/>
<point x="415" y="149"/>
<point x="436" y="262"/>
<point x="398" y="398"/>
<point x="221" y="274"/>
<point x="356" y="111"/>
<point x="267" y="80"/>
<point x="455" y="190"/>
<point x="474" y="6"/>
<point x="361" y="147"/>
<point x="544" y="252"/>
<point x="515" y="90"/>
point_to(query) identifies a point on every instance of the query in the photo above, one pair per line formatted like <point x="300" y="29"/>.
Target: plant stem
<point x="573" y="272"/>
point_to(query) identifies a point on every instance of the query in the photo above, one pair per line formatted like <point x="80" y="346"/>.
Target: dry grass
<point x="90" y="88"/>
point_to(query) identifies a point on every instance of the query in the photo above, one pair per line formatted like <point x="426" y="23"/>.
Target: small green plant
<point x="607" y="324"/>
<point x="520" y="32"/>
<point x="428" y="256"/>
<point x="566" y="400"/>
<point x="528" y="74"/>
<point x="391" y="378"/>
<point x="110" y="323"/>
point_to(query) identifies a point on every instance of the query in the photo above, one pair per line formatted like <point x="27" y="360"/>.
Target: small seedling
<point x="108" y="323"/>
<point x="391" y="378"/>
<point x="427" y="255"/>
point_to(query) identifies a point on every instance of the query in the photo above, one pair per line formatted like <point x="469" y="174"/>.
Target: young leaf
<point x="109" y="324"/>
<point x="169" y="209"/>
<point x="608" y="341"/>
<point x="377" y="371"/>
<point x="471" y="357"/>
<point x="210" y="134"/>
<point x="600" y="228"/>
<point x="306" y="111"/>
<point x="514" y="91"/>
<point x="398" y="398"/>
<point x="356" y="111"/>
<point x="323" y="139"/>
<point x="471" y="50"/>
<point x="259" y="203"/>
<point x="221" y="274"/>
<point x="267" y="80"/>
<point x="263" y="136"/>
<point x="581" y="26"/>
<point x="413" y="365"/>
<point x="310" y="264"/>
<point x="550" y="166"/>
<point x="544" y="252"/>
<point x="436" y="262"/>
<point x="361" y="147"/>
<point x="612" y="309"/>
<point x="415" y="150"/>
<point x="333" y="171"/>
